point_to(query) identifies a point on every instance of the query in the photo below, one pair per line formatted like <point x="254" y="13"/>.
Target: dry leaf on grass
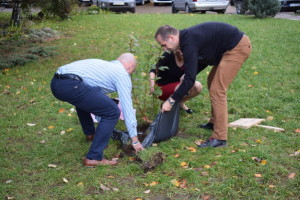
<point x="30" y="124"/>
<point x="191" y="149"/>
<point x="297" y="130"/>
<point x="147" y="191"/>
<point x="175" y="182"/>
<point x="153" y="183"/>
<point x="176" y="155"/>
<point x="65" y="180"/>
<point x="52" y="165"/>
<point x="272" y="186"/>
<point x="199" y="142"/>
<point x="292" y="175"/>
<point x="104" y="188"/>
<point x="258" y="175"/>
<point x="297" y="153"/>
<point x="61" y="110"/>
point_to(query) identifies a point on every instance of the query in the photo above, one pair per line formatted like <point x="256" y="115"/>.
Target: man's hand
<point x="137" y="145"/>
<point x="166" y="106"/>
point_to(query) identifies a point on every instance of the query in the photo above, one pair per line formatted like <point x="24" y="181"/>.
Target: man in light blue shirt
<point x="84" y="84"/>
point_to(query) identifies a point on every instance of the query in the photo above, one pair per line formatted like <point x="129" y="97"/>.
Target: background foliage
<point x="42" y="144"/>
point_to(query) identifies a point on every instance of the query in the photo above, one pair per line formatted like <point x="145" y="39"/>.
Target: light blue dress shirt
<point x="111" y="77"/>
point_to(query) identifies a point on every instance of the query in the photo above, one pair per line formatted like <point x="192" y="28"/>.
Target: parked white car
<point x="202" y="6"/>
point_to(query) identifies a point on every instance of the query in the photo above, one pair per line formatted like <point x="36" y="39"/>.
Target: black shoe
<point x="188" y="111"/>
<point x="208" y="125"/>
<point x="212" y="142"/>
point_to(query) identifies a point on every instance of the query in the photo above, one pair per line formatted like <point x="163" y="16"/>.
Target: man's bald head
<point x="128" y="61"/>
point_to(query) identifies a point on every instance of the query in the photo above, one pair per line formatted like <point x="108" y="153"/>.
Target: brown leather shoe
<point x="94" y="163"/>
<point x="90" y="138"/>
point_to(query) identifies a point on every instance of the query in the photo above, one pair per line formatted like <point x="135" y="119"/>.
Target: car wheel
<point x="187" y="9"/>
<point x="155" y="4"/>
<point x="133" y="10"/>
<point x="221" y="11"/>
<point x="174" y="9"/>
<point x="239" y="7"/>
<point x="203" y="11"/>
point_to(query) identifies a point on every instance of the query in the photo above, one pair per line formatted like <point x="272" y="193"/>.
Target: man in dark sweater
<point x="217" y="44"/>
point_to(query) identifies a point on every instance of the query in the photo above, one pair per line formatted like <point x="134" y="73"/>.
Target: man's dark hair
<point x="165" y="31"/>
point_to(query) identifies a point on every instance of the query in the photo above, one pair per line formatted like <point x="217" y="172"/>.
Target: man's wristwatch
<point x="171" y="101"/>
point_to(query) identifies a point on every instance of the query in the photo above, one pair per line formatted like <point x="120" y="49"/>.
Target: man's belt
<point x="67" y="76"/>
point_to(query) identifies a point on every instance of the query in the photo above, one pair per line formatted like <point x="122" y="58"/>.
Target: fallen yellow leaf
<point x="199" y="142"/>
<point x="51" y="127"/>
<point x="153" y="183"/>
<point x="272" y="186"/>
<point x="258" y="175"/>
<point x="183" y="164"/>
<point x="255" y="73"/>
<point x="176" y="155"/>
<point x="61" y="110"/>
<point x="258" y="141"/>
<point x="207" y="166"/>
<point x="263" y="162"/>
<point x="65" y="180"/>
<point x="191" y="149"/>
<point x="175" y="182"/>
<point x="69" y="130"/>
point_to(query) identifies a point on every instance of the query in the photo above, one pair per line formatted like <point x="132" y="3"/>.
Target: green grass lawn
<point x="266" y="87"/>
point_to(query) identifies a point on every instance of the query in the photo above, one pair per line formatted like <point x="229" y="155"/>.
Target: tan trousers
<point x="218" y="82"/>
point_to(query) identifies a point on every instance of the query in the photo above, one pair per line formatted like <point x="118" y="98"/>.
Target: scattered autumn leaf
<point x="297" y="130"/>
<point x="250" y="85"/>
<point x="183" y="183"/>
<point x="147" y="191"/>
<point x="272" y="186"/>
<point x="61" y="110"/>
<point x="18" y="92"/>
<point x="184" y="164"/>
<point x="110" y="176"/>
<point x="104" y="188"/>
<point x="30" y="124"/>
<point x="297" y="153"/>
<point x="175" y="182"/>
<point x="65" y="180"/>
<point x="292" y="175"/>
<point x="176" y="155"/>
<point x="115" y="189"/>
<point x="255" y="73"/>
<point x="191" y="149"/>
<point x="258" y="141"/>
<point x="263" y="162"/>
<point x="62" y="132"/>
<point x="199" y="142"/>
<point x="69" y="130"/>
<point x="138" y="199"/>
<point x="51" y="127"/>
<point x="258" y="175"/>
<point x="204" y="173"/>
<point x="207" y="166"/>
<point x="153" y="183"/>
<point x="52" y="165"/>
<point x="270" y="118"/>
<point x="205" y="197"/>
<point x="80" y="184"/>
